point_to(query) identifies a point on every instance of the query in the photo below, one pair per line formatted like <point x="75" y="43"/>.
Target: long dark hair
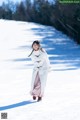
<point x="38" y="43"/>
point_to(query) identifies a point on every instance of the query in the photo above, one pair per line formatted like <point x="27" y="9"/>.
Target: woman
<point x="40" y="70"/>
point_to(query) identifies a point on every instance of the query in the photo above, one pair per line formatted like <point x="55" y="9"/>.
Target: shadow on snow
<point x="60" y="48"/>
<point x="23" y="103"/>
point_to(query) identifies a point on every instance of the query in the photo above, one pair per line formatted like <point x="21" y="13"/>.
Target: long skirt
<point x="37" y="86"/>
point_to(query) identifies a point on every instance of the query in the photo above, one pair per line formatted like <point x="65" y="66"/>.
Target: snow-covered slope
<point x="62" y="93"/>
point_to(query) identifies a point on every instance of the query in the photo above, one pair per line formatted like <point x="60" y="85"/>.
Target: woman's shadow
<point x="17" y="105"/>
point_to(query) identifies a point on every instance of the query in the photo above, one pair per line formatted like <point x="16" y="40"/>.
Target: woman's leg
<point x="43" y="79"/>
<point x="36" y="87"/>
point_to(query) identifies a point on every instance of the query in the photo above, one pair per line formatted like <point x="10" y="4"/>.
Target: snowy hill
<point x="62" y="93"/>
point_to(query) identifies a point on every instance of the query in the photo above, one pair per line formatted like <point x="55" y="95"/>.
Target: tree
<point x="19" y="13"/>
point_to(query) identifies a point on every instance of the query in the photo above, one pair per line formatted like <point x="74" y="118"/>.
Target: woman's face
<point x="35" y="46"/>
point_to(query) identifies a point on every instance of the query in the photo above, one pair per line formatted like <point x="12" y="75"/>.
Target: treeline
<point x="64" y="17"/>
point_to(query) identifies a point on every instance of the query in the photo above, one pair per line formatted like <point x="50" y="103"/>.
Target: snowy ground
<point x="62" y="94"/>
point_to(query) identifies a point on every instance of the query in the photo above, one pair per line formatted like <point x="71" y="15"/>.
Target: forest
<point x="64" y="17"/>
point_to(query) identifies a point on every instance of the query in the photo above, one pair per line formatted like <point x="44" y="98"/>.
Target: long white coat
<point x="41" y="65"/>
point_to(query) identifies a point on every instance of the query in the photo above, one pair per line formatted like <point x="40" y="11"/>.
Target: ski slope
<point x="62" y="94"/>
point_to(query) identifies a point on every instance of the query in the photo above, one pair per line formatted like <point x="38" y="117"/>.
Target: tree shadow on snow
<point x="23" y="103"/>
<point x="60" y="48"/>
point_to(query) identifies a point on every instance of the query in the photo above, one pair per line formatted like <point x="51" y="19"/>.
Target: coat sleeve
<point x="47" y="59"/>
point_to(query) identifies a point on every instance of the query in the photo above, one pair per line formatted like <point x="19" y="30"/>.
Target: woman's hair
<point x="38" y="43"/>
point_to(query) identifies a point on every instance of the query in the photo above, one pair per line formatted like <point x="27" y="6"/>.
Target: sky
<point x="1" y="1"/>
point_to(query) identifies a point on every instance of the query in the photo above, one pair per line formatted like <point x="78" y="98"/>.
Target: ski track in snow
<point x="62" y="94"/>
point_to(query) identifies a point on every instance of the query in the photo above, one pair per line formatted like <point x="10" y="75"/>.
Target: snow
<point x="62" y="94"/>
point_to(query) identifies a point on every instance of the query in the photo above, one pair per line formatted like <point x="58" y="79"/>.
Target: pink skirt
<point x="37" y="86"/>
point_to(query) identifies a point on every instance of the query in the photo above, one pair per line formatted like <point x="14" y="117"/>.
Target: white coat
<point x="41" y="65"/>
